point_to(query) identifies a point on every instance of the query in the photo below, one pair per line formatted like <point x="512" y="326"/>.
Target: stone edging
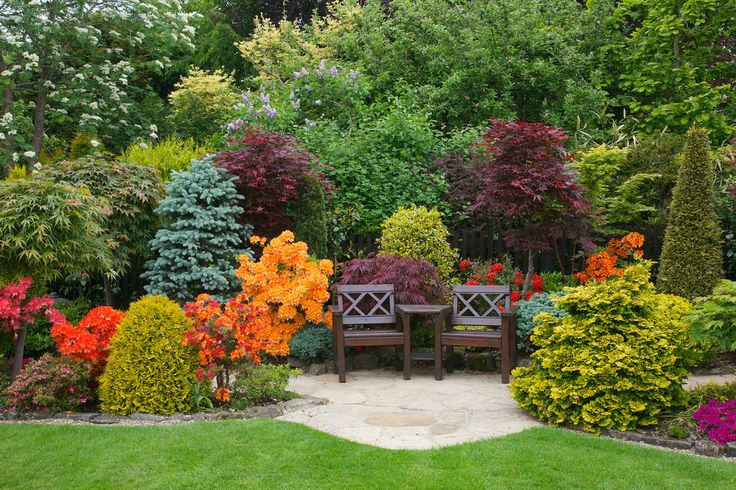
<point x="98" y="418"/>
<point x="696" y="446"/>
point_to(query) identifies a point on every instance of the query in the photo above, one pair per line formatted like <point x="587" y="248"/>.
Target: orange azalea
<point x="602" y="265"/>
<point x="222" y="395"/>
<point x="294" y="287"/>
<point x="89" y="339"/>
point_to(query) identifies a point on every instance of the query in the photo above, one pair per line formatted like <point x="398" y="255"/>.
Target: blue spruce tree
<point x="197" y="247"/>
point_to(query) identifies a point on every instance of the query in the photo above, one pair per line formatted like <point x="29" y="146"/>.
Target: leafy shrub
<point x="419" y="233"/>
<point x="415" y="281"/>
<point x="149" y="368"/>
<point x="82" y="145"/>
<point x="555" y="281"/>
<point x="48" y="229"/>
<point x="312" y="343"/>
<point x="290" y="283"/>
<point x="270" y="170"/>
<point x="616" y="360"/>
<point x="197" y="248"/>
<point x="200" y="102"/>
<point x="602" y="265"/>
<point x="713" y="320"/>
<point x="170" y="155"/>
<point x="261" y="383"/>
<point x="721" y="392"/>
<point x="131" y="193"/>
<point x="691" y="263"/>
<point x="51" y="383"/>
<point x="719" y="419"/>
<point x="89" y="339"/>
<point x="528" y="311"/>
<point x="309" y="215"/>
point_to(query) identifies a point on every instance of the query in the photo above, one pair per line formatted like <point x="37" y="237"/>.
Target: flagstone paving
<point x="382" y="409"/>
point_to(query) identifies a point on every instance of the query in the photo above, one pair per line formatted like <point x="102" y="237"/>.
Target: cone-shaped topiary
<point x="197" y="250"/>
<point x="149" y="369"/>
<point x="691" y="264"/>
<point x="310" y="216"/>
<point x="419" y="233"/>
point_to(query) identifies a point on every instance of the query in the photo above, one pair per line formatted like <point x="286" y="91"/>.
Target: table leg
<point x="438" y="320"/>
<point x="406" y="319"/>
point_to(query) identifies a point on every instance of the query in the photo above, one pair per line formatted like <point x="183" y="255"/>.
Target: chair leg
<point x="407" y="346"/>
<point x="438" y="348"/>
<point x="340" y="350"/>
<point x="506" y="354"/>
<point x="334" y="351"/>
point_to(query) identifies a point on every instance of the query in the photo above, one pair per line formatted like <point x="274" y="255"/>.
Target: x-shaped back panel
<point x="384" y="304"/>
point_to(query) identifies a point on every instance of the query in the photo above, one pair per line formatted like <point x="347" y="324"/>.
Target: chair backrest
<point x="366" y="304"/>
<point x="479" y="305"/>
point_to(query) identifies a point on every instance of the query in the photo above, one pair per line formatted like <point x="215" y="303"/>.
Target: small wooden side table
<point x="439" y="314"/>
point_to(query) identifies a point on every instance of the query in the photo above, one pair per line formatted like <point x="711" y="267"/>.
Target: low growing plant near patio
<point x="148" y="368"/>
<point x="616" y="361"/>
<point x="261" y="383"/>
<point x="526" y="316"/>
<point x="718" y="419"/>
<point x="312" y="343"/>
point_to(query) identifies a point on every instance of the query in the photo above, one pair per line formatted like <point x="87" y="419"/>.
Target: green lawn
<point x="273" y="454"/>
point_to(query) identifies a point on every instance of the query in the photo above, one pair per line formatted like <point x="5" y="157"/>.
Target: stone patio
<point x="382" y="409"/>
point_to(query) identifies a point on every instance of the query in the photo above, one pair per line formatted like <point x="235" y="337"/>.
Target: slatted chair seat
<point x="486" y="306"/>
<point x="366" y="305"/>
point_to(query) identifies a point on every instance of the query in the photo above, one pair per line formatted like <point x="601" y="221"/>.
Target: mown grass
<point x="274" y="454"/>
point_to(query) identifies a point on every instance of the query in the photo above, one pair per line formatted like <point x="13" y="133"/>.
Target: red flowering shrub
<point x="719" y="419"/>
<point x="270" y="169"/>
<point x="51" y="383"/>
<point x="89" y="339"/>
<point x="501" y="273"/>
<point x="225" y="333"/>
<point x="17" y="311"/>
<point x="415" y="281"/>
<point x="602" y="265"/>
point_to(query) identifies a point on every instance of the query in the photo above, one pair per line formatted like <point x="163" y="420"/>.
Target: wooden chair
<point x="481" y="306"/>
<point x="367" y="304"/>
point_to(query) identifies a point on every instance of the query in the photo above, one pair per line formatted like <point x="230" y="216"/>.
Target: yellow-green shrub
<point x="418" y="233"/>
<point x="615" y="362"/>
<point x="148" y="367"/>
<point x="169" y="155"/>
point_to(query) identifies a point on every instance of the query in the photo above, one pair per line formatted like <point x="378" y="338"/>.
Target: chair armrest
<point x="335" y="310"/>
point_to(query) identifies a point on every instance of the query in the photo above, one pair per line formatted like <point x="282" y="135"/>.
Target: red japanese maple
<point x="270" y="168"/>
<point x="17" y="311"/>
<point x="524" y="178"/>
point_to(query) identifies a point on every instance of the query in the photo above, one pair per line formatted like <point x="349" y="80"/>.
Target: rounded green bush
<point x="616" y="361"/>
<point x="148" y="367"/>
<point x="313" y="342"/>
<point x="419" y="233"/>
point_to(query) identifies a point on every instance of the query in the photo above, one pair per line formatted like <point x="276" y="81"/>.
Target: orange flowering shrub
<point x="89" y="339"/>
<point x="602" y="265"/>
<point x="294" y="287"/>
<point x="225" y="333"/>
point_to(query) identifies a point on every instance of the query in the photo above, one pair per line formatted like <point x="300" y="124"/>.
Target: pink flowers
<point x="719" y="419"/>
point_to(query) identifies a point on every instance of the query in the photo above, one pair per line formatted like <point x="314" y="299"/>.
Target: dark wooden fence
<point x="484" y="245"/>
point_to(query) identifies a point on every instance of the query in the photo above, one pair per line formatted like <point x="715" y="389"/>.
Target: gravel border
<point x="105" y="419"/>
<point x="692" y="446"/>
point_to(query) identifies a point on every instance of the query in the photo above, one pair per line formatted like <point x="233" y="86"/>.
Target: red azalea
<point x="490" y="276"/>
<point x="497" y="268"/>
<point x="464" y="264"/>
<point x="528" y="295"/>
<point x="472" y="282"/>
<point x="515" y="296"/>
<point x="519" y="281"/>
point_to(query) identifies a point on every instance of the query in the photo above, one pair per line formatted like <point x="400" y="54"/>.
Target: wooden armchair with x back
<point x="365" y="305"/>
<point x="484" y="306"/>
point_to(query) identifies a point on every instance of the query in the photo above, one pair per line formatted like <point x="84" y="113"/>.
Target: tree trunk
<point x="8" y="94"/>
<point x="529" y="272"/>
<point x="108" y="290"/>
<point x="39" y="116"/>
<point x="20" y="345"/>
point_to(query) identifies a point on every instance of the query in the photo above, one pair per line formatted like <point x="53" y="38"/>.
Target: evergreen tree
<point x="692" y="259"/>
<point x="310" y="216"/>
<point x="196" y="250"/>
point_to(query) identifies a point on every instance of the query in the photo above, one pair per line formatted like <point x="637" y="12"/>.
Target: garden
<point x="188" y="188"/>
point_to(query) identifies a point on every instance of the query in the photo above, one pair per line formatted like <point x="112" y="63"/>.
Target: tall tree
<point x="692" y="258"/>
<point x="72" y="62"/>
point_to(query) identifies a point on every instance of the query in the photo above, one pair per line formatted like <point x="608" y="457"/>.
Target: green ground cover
<point x="272" y="454"/>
